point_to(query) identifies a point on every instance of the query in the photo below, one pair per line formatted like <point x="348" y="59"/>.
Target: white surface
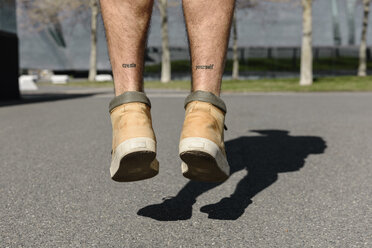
<point x="27" y="82"/>
<point x="28" y="77"/>
<point x="103" y="78"/>
<point x="59" y="79"/>
<point x="207" y="146"/>
<point x="130" y="146"/>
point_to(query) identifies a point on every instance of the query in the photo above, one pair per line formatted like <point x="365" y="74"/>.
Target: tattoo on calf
<point x="129" y="65"/>
<point x="205" y="67"/>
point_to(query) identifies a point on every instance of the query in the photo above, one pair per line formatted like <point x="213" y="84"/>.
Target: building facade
<point x="267" y="25"/>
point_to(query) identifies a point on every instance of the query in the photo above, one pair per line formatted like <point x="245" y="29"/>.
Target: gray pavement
<point x="301" y="163"/>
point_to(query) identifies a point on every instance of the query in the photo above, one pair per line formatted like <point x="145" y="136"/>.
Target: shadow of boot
<point x="178" y="207"/>
<point x="226" y="209"/>
<point x="171" y="209"/>
<point x="263" y="157"/>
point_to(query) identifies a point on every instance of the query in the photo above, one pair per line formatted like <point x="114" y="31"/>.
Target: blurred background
<point x="62" y="41"/>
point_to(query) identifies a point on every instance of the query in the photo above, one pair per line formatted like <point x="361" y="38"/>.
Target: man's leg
<point x="208" y="25"/>
<point x="202" y="148"/>
<point x="133" y="139"/>
<point x="126" y="24"/>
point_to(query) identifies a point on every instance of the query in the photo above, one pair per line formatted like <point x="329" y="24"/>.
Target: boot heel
<point x="134" y="160"/>
<point x="203" y="160"/>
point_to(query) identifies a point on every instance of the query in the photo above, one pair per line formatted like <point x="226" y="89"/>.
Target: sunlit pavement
<point x="301" y="175"/>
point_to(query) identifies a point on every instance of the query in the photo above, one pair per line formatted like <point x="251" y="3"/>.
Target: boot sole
<point x="203" y="160"/>
<point x="134" y="160"/>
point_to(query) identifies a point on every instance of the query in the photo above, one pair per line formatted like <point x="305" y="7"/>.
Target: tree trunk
<point x="165" y="60"/>
<point x="350" y="21"/>
<point x="336" y="24"/>
<point x="362" y="70"/>
<point x="93" y="40"/>
<point x="306" y="49"/>
<point x="235" y="71"/>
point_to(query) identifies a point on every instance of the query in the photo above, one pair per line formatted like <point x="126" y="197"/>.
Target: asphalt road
<point x="301" y="163"/>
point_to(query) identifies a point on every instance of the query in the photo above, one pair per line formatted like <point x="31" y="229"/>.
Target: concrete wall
<point x="8" y="16"/>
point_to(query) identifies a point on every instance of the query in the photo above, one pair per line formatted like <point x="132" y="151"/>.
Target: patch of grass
<point x="341" y="83"/>
<point x="348" y="83"/>
<point x="266" y="64"/>
<point x="81" y="83"/>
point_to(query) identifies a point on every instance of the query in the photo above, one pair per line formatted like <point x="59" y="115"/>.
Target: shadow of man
<point x="263" y="156"/>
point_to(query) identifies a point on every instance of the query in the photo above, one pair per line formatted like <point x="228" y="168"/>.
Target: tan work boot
<point x="133" y="139"/>
<point x="202" y="147"/>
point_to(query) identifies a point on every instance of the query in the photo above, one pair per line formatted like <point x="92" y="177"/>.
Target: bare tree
<point x="240" y="5"/>
<point x="162" y="6"/>
<point x="235" y="71"/>
<point x="306" y="73"/>
<point x="306" y="77"/>
<point x="336" y="23"/>
<point x="165" y="57"/>
<point x="362" y="70"/>
<point x="350" y="21"/>
<point x="93" y="41"/>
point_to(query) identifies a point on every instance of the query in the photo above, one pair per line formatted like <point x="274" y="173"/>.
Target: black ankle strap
<point x="127" y="97"/>
<point x="205" y="96"/>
